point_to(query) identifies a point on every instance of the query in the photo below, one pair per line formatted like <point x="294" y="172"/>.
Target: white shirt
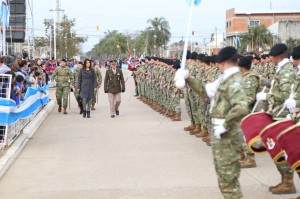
<point x="211" y="88"/>
<point x="230" y="71"/>
<point x="282" y="63"/>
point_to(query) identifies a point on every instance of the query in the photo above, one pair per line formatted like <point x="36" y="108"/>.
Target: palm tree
<point x="112" y="45"/>
<point x="159" y="32"/>
<point x="258" y="36"/>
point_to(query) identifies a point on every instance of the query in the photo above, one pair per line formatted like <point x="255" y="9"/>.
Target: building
<point x="237" y="22"/>
<point x="286" y="31"/>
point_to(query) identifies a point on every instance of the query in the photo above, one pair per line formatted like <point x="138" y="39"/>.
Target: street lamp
<point x="154" y="49"/>
<point x="134" y="52"/>
<point x="163" y="50"/>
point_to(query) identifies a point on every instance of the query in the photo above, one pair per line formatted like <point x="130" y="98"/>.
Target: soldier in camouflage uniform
<point x="75" y="81"/>
<point x="251" y="86"/>
<point x="64" y="79"/>
<point x="212" y="74"/>
<point x="256" y="67"/>
<point x="99" y="82"/>
<point x="187" y="99"/>
<point x="294" y="103"/>
<point x="285" y="76"/>
<point x="229" y="106"/>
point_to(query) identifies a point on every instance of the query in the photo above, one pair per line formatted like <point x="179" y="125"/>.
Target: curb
<point x="12" y="153"/>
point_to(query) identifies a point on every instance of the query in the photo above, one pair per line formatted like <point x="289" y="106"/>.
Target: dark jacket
<point x="114" y="83"/>
<point x="87" y="82"/>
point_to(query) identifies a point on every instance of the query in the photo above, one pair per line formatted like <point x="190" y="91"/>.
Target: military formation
<point x="155" y="85"/>
<point x="219" y="94"/>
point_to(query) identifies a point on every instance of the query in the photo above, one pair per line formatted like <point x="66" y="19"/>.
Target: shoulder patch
<point x="237" y="84"/>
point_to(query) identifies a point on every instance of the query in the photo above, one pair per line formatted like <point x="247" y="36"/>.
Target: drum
<point x="251" y="126"/>
<point x="289" y="140"/>
<point x="269" y="137"/>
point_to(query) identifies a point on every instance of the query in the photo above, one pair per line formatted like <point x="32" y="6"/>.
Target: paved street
<point x="130" y="156"/>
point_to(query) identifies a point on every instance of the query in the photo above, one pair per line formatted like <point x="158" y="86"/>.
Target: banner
<point x="33" y="100"/>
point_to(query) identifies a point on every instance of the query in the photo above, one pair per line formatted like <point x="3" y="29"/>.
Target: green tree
<point x="258" y="37"/>
<point x="158" y="34"/>
<point x="67" y="41"/>
<point x="113" y="45"/>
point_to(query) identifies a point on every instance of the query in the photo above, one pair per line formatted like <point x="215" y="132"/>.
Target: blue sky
<point x="130" y="16"/>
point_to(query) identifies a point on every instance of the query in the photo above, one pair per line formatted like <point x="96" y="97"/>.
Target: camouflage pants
<point x="94" y="99"/>
<point x="175" y="106"/>
<point x="62" y="94"/>
<point x="226" y="154"/>
<point x="188" y="105"/>
<point x="246" y="149"/>
<point x="201" y="112"/>
<point x="284" y="169"/>
<point x="194" y="104"/>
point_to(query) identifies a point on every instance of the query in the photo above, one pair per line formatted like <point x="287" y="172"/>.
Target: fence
<point x="14" y="118"/>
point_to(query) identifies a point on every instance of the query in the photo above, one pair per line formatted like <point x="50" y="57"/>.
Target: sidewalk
<point x="129" y="156"/>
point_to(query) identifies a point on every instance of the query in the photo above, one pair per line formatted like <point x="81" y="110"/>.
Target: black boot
<point x="81" y="107"/>
<point x="84" y="114"/>
<point x="88" y="114"/>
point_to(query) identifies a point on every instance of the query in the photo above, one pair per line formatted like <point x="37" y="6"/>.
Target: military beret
<point x="296" y="53"/>
<point x="176" y="65"/>
<point x="245" y="62"/>
<point x="194" y="55"/>
<point x="80" y="63"/>
<point x="213" y="58"/>
<point x="264" y="56"/>
<point x="257" y="58"/>
<point x="278" y="49"/>
<point x="63" y="59"/>
<point x="188" y="54"/>
<point x="226" y="54"/>
<point x="206" y="59"/>
<point x="200" y="56"/>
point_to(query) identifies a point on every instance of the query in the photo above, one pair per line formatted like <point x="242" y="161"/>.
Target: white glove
<point x="211" y="88"/>
<point x="290" y="103"/>
<point x="181" y="74"/>
<point x="219" y="130"/>
<point x="261" y="96"/>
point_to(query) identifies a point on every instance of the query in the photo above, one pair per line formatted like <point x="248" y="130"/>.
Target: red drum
<point x="269" y="137"/>
<point x="251" y="126"/>
<point x="289" y="140"/>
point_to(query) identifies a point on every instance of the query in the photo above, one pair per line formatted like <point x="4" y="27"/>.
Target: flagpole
<point x="4" y="30"/>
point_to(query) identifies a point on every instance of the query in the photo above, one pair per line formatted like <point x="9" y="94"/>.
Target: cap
<point x="296" y="53"/>
<point x="113" y="61"/>
<point x="278" y="49"/>
<point x="64" y="60"/>
<point x="245" y="62"/>
<point x="226" y="54"/>
<point x="200" y="56"/>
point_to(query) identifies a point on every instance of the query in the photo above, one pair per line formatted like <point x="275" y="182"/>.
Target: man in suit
<point x="113" y="85"/>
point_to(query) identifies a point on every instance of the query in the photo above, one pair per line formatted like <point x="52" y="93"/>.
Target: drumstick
<point x="291" y="97"/>
<point x="256" y="104"/>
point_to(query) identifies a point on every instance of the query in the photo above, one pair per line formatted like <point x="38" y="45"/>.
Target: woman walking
<point x="87" y="85"/>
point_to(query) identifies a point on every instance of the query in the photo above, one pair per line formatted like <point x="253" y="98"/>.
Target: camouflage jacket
<point x="98" y="75"/>
<point x="281" y="89"/>
<point x="63" y="76"/>
<point x="75" y="79"/>
<point x="251" y="86"/>
<point x="230" y="101"/>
